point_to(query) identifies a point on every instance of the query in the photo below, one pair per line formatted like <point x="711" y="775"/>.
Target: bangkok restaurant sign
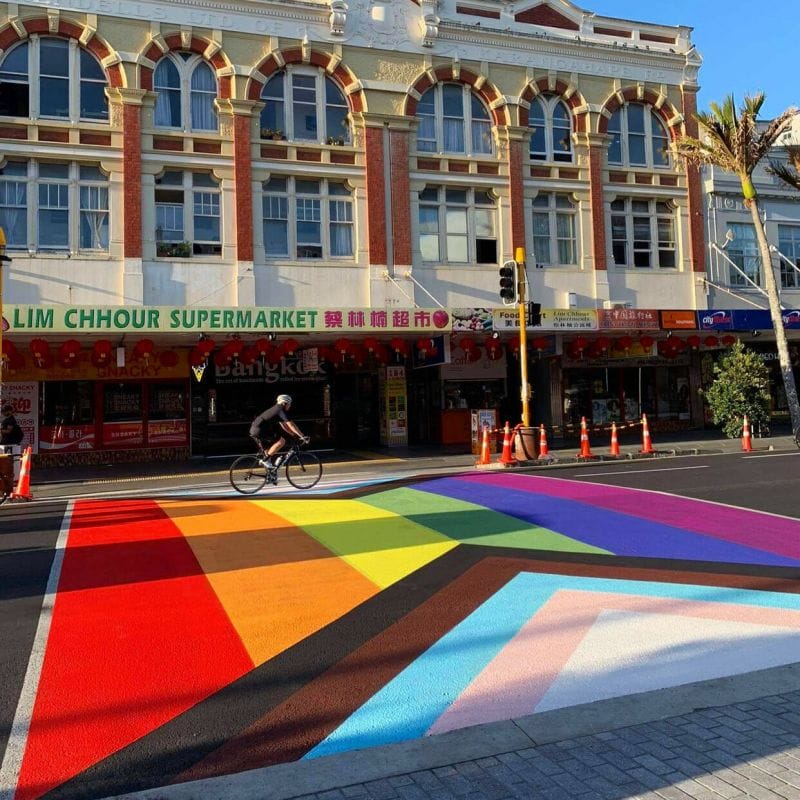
<point x="44" y="319"/>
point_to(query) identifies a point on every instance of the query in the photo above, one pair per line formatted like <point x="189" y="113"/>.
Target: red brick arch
<point x="580" y="119"/>
<point x="197" y="45"/>
<point x="67" y="29"/>
<point x="340" y="75"/>
<point x="630" y="94"/>
<point x="487" y="91"/>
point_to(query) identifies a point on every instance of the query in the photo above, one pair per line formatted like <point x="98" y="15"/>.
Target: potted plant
<point x="173" y="249"/>
<point x="336" y="140"/>
<point x="272" y="133"/>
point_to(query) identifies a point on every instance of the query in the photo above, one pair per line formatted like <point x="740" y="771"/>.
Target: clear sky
<point x="747" y="45"/>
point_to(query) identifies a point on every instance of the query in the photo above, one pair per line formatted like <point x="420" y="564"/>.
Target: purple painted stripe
<point x="741" y="526"/>
<point x="622" y="534"/>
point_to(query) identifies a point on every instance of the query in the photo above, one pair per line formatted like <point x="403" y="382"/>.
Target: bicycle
<point x="250" y="473"/>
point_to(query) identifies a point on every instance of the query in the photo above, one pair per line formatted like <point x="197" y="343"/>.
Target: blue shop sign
<point x="754" y="319"/>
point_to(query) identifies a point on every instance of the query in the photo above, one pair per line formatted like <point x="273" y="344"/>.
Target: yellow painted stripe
<point x="277" y="584"/>
<point x="382" y="545"/>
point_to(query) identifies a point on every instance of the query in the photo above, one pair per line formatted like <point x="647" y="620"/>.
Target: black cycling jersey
<point x="266" y="423"/>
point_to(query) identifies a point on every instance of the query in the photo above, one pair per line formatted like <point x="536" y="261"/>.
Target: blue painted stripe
<point x="621" y="534"/>
<point x="410" y="704"/>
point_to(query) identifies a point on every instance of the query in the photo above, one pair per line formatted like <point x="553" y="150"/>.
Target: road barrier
<point x="543" y="450"/>
<point x="586" y="451"/>
<point x="485" y="457"/>
<point x="647" y="442"/>
<point x="747" y="445"/>
<point x="614" y="451"/>
<point x="506" y="457"/>
<point x="23" y="490"/>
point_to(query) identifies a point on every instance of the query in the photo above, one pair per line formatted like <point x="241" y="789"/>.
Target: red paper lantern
<point x="45" y="362"/>
<point x="693" y="342"/>
<point x="473" y="354"/>
<point x="594" y="350"/>
<point x="540" y="343"/>
<point x="466" y="343"/>
<point x="603" y="343"/>
<point x="9" y="349"/>
<point x="249" y="356"/>
<point x="221" y="358"/>
<point x="169" y="358"/>
<point x="372" y="344"/>
<point x="68" y="352"/>
<point x="206" y="347"/>
<point x="728" y="341"/>
<point x="625" y="343"/>
<point x="16" y="361"/>
<point x="677" y="344"/>
<point x="143" y="349"/>
<point x="197" y="357"/>
<point x="381" y="354"/>
<point x="39" y="348"/>
<point x="646" y="342"/>
<point x="234" y="347"/>
<point x="263" y="346"/>
<point x="342" y="346"/>
<point x="711" y="341"/>
<point x="581" y="343"/>
<point x="400" y="346"/>
<point x="514" y="344"/>
<point x="289" y="347"/>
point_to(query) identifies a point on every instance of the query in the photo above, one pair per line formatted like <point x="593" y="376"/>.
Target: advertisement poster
<point x="553" y="319"/>
<point x="66" y="438"/>
<point x="167" y="432"/>
<point x="394" y="411"/>
<point x="123" y="434"/>
<point x="24" y="397"/>
<point x="643" y="319"/>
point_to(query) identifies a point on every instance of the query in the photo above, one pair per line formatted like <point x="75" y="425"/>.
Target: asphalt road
<point x="29" y="534"/>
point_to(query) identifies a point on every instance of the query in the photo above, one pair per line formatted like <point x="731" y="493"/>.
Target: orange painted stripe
<point x="277" y="584"/>
<point x="137" y="637"/>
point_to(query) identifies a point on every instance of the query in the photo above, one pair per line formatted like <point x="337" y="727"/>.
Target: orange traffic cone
<point x="506" y="457"/>
<point x="23" y="490"/>
<point x="747" y="445"/>
<point x="614" y="451"/>
<point x="485" y="458"/>
<point x="543" y="451"/>
<point x="585" y="449"/>
<point x="647" y="444"/>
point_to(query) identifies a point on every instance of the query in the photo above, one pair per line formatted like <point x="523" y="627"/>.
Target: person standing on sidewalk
<point x="10" y="431"/>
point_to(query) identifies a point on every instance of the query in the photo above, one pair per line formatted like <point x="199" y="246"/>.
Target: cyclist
<point x="275" y="422"/>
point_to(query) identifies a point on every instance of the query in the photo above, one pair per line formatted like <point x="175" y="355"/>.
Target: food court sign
<point x="167" y="319"/>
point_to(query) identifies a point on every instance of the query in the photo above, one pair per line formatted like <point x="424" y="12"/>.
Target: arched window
<point x="551" y="129"/>
<point x="304" y="104"/>
<point x="453" y="120"/>
<point x="185" y="88"/>
<point x="638" y="138"/>
<point x="52" y="78"/>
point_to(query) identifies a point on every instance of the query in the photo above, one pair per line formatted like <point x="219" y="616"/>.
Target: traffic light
<point x="509" y="280"/>
<point x="533" y="315"/>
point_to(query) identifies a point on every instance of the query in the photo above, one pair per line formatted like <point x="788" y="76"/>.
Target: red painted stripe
<point x="137" y="637"/>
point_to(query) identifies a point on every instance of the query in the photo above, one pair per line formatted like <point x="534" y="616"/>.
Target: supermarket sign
<point x="177" y="319"/>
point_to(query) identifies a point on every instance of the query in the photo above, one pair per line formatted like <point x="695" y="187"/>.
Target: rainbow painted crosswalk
<point x="220" y="635"/>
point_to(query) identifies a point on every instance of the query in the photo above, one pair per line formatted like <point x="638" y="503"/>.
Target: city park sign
<point x="42" y="319"/>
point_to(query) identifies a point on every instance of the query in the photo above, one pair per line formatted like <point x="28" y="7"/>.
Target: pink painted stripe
<point x="741" y="526"/>
<point x="516" y="680"/>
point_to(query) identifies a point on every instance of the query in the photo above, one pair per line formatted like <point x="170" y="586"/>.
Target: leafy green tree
<point x="731" y="140"/>
<point x="741" y="386"/>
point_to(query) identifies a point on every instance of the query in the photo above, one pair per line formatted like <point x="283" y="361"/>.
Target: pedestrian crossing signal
<point x="509" y="283"/>
<point x="533" y="314"/>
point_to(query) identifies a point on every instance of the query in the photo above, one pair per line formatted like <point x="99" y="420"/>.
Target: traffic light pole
<point x="525" y="391"/>
<point x="3" y="259"/>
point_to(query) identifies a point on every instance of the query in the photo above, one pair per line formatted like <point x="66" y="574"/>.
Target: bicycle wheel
<point x="248" y="474"/>
<point x="797" y="437"/>
<point x="303" y="470"/>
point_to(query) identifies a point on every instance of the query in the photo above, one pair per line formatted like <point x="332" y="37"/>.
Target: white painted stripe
<point x="12" y="762"/>
<point x="619" y="474"/>
<point x="772" y="455"/>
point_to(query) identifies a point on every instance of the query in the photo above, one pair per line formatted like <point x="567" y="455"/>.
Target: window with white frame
<point x="789" y="246"/>
<point x="743" y="251"/>
<point x="304" y="104"/>
<point x="638" y="137"/>
<point x="643" y="233"/>
<point x="57" y="207"/>
<point x="554" y="241"/>
<point x="551" y="129"/>
<point x="307" y="218"/>
<point x="47" y="77"/>
<point x="453" y="119"/>
<point x="457" y="225"/>
<point x="185" y="87"/>
<point x="187" y="214"/>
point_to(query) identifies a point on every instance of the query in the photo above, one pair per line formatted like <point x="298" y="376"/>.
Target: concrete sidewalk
<point x="562" y="452"/>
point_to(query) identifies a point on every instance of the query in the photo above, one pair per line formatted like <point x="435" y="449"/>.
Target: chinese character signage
<point x="643" y="319"/>
<point x="553" y="319"/>
<point x="167" y="319"/>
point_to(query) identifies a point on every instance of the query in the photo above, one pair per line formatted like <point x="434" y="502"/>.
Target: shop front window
<point x="67" y="416"/>
<point x="122" y="415"/>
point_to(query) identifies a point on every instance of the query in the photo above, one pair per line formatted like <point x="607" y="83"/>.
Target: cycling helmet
<point x="284" y="400"/>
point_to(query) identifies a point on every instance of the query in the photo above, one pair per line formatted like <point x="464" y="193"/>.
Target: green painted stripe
<point x="473" y="524"/>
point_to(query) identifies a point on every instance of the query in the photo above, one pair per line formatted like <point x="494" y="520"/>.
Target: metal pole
<point x="525" y="391"/>
<point x="3" y="259"/>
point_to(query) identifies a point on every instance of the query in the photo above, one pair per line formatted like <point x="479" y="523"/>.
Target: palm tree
<point x="731" y="141"/>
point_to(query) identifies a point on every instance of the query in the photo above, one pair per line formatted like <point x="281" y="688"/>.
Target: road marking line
<point x="18" y="737"/>
<point x="773" y="455"/>
<point x="634" y="471"/>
